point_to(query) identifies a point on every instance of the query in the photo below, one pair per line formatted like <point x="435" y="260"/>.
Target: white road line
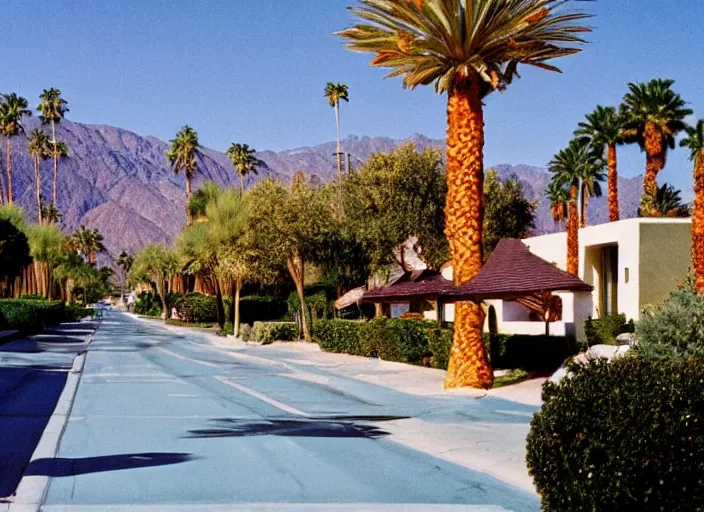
<point x="263" y="397"/>
<point x="179" y="356"/>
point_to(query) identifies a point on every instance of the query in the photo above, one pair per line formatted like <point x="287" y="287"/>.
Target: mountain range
<point x="122" y="184"/>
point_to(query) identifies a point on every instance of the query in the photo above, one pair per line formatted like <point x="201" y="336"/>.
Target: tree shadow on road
<point x="336" y="426"/>
<point x="69" y="467"/>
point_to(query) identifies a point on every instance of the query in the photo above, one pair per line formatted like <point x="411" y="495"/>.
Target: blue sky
<point x="253" y="71"/>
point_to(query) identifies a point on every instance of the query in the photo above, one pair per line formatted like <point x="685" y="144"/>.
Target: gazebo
<point x="511" y="272"/>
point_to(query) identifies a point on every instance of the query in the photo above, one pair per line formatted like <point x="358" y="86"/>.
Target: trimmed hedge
<point x="623" y="435"/>
<point x="338" y="336"/>
<point x="255" y="308"/>
<point x="269" y="332"/>
<point x="603" y="331"/>
<point x="32" y="315"/>
<point x="195" y="307"/>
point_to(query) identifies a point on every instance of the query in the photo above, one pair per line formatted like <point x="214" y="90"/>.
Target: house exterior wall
<point x="665" y="258"/>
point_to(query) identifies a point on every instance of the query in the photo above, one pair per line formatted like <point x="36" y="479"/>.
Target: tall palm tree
<point x="124" y="261"/>
<point x="558" y="196"/>
<point x="52" y="110"/>
<point x="603" y="130"/>
<point x="695" y="142"/>
<point x="334" y="93"/>
<point x="653" y="115"/>
<point x="12" y="110"/>
<point x="467" y="49"/>
<point x="50" y="214"/>
<point x="39" y="149"/>
<point x="89" y="243"/>
<point x="182" y="156"/>
<point x="569" y="166"/>
<point x="242" y="157"/>
<point x="591" y="187"/>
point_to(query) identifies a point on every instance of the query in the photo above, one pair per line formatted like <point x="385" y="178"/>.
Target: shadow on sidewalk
<point x="70" y="467"/>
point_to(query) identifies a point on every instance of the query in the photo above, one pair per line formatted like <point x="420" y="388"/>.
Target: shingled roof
<point x="511" y="271"/>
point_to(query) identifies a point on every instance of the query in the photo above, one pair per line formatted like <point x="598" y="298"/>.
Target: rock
<point x="627" y="338"/>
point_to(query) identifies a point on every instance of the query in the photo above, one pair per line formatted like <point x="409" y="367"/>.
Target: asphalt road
<point x="32" y="376"/>
<point x="166" y="421"/>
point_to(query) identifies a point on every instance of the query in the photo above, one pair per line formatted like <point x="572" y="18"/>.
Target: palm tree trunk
<point x="583" y="212"/>
<point x="698" y="224"/>
<point x="572" y="233"/>
<point x="241" y="185"/>
<point x="219" y="304"/>
<point x="9" y="172"/>
<point x="654" y="163"/>
<point x="236" y="305"/>
<point x="339" y="142"/>
<point x="56" y="161"/>
<point x="2" y="190"/>
<point x="469" y="364"/>
<point x="295" y="267"/>
<point x="188" y="198"/>
<point x="38" y="182"/>
<point x="613" y="184"/>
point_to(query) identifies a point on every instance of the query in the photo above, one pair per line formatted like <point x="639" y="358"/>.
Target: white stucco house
<point x="631" y="263"/>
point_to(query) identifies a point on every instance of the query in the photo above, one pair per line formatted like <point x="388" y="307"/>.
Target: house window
<point x="608" y="297"/>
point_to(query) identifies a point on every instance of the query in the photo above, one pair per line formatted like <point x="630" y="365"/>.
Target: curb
<point x="32" y="489"/>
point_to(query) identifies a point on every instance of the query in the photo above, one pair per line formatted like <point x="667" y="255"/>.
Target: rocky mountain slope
<point x="121" y="183"/>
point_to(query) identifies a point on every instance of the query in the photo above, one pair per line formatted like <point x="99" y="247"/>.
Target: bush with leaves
<point x="338" y="336"/>
<point x="603" y="331"/>
<point x="622" y="435"/>
<point x="30" y="316"/>
<point x="195" y="307"/>
<point x="395" y="339"/>
<point x="269" y="332"/>
<point x="440" y="344"/>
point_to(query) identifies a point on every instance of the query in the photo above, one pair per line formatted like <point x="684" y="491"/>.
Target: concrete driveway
<point x="167" y="420"/>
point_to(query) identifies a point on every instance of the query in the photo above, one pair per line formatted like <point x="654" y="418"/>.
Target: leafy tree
<point x="13" y="214"/>
<point x="394" y="196"/>
<point x="695" y="143"/>
<point x="653" y="115"/>
<point x="242" y="157"/>
<point x="569" y="166"/>
<point x="155" y="264"/>
<point x="46" y="244"/>
<point x="206" y="192"/>
<point x="289" y="223"/>
<point x="72" y="271"/>
<point x="53" y="109"/>
<point x="603" y="131"/>
<point x="182" y="156"/>
<point x="12" y="110"/>
<point x="38" y="148"/>
<point x="14" y="253"/>
<point x="508" y="213"/>
<point x="467" y="49"/>
<point x="334" y="93"/>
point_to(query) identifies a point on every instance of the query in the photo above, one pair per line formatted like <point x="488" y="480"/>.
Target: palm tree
<point x="38" y="148"/>
<point x="695" y="142"/>
<point x="569" y="167"/>
<point x="50" y="214"/>
<point x="591" y="187"/>
<point x="334" y="93"/>
<point x="182" y="156"/>
<point x="653" y="115"/>
<point x="668" y="203"/>
<point x="467" y="49"/>
<point x="242" y="157"/>
<point x="89" y="242"/>
<point x="558" y="196"/>
<point x="603" y="130"/>
<point x="53" y="109"/>
<point x="124" y="261"/>
<point x="12" y="110"/>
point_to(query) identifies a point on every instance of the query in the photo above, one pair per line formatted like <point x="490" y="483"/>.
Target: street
<point x="166" y="420"/>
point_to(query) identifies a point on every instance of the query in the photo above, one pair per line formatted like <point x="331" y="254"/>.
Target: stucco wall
<point x="665" y="258"/>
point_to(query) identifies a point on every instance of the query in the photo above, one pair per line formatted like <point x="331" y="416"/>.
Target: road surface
<point x="169" y="421"/>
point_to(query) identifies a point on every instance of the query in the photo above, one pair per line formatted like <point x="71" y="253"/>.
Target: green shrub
<point x="624" y="435"/>
<point x="76" y="312"/>
<point x="318" y="305"/>
<point x="675" y="327"/>
<point x="197" y="308"/>
<point x="395" y="339"/>
<point x="338" y="336"/>
<point x="32" y="296"/>
<point x="603" y="331"/>
<point x="269" y="332"/>
<point x="245" y="332"/>
<point x="148" y="303"/>
<point x="440" y="343"/>
<point x="32" y="315"/>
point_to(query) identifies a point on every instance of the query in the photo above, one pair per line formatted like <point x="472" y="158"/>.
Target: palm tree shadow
<point x="70" y="467"/>
<point x="349" y="427"/>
